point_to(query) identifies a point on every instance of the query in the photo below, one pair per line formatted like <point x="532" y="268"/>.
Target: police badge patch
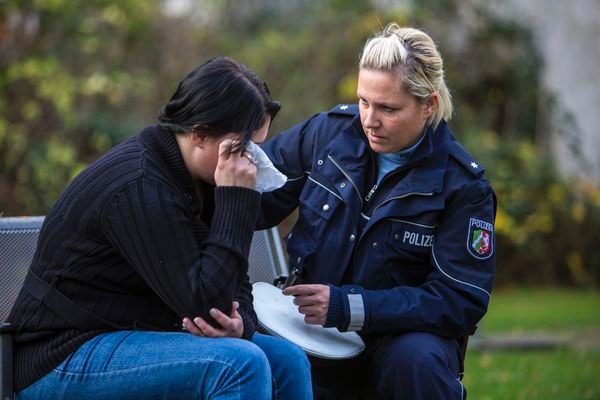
<point x="480" y="239"/>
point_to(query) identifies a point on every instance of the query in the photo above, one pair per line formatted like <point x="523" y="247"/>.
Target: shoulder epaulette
<point x="466" y="159"/>
<point x="344" y="109"/>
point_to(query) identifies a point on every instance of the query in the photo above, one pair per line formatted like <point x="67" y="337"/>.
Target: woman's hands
<point x="234" y="168"/>
<point x="312" y="301"/>
<point x="231" y="325"/>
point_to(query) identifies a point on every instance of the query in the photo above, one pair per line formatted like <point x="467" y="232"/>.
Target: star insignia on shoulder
<point x="344" y="107"/>
<point x="474" y="164"/>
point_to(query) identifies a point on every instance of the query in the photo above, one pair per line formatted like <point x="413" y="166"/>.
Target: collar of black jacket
<point x="162" y="142"/>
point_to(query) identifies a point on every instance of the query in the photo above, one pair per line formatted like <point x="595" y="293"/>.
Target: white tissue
<point x="268" y="177"/>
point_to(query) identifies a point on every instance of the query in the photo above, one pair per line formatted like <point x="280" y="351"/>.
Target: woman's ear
<point x="431" y="104"/>
<point x="198" y="139"/>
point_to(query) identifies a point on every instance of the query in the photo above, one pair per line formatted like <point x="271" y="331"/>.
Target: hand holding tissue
<point x="268" y="177"/>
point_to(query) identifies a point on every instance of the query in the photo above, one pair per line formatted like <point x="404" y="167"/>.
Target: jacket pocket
<point x="318" y="204"/>
<point x="411" y="236"/>
<point x="319" y="198"/>
<point x="408" y="251"/>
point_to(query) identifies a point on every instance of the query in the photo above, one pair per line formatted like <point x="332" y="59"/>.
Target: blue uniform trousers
<point x="413" y="365"/>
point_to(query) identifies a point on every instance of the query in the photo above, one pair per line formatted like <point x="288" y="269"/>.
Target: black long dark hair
<point x="219" y="97"/>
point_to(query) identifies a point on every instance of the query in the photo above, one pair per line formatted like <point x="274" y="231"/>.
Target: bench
<point x="18" y="240"/>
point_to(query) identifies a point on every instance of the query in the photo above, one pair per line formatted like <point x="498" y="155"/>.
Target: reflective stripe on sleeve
<point x="357" y="312"/>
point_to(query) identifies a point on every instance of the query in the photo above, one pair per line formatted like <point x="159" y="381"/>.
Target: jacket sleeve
<point x="150" y="225"/>
<point x="456" y="293"/>
<point x="291" y="153"/>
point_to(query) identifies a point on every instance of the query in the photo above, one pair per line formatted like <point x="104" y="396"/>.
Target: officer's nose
<point x="369" y="119"/>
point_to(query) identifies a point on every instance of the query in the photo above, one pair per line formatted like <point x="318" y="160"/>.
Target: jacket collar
<point x="427" y="165"/>
<point x="162" y="142"/>
<point x="425" y="170"/>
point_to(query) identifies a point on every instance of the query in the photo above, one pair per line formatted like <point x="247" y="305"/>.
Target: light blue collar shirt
<point x="390" y="161"/>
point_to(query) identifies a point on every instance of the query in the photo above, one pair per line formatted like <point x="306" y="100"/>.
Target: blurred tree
<point x="306" y="50"/>
<point x="78" y="77"/>
<point x="492" y="66"/>
<point x="69" y="71"/>
<point x="82" y="76"/>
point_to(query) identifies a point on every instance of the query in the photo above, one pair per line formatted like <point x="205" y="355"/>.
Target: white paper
<point x="268" y="177"/>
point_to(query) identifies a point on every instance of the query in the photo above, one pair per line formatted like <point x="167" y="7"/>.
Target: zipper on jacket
<point x="401" y="197"/>
<point x="362" y="231"/>
<point x="370" y="194"/>
<point x="373" y="190"/>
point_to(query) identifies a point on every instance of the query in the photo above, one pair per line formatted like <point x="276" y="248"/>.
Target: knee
<point x="295" y="356"/>
<point x="416" y="352"/>
<point x="289" y="366"/>
<point x="250" y="357"/>
<point x="420" y="366"/>
<point x="298" y="360"/>
<point x="282" y="354"/>
<point x="238" y="368"/>
<point x="240" y="359"/>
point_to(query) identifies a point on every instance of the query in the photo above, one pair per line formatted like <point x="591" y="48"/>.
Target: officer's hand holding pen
<point x="312" y="301"/>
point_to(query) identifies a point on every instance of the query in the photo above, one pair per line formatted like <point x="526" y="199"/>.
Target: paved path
<point x="581" y="339"/>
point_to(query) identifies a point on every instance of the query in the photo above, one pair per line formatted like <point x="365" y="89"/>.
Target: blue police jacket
<point x="414" y="253"/>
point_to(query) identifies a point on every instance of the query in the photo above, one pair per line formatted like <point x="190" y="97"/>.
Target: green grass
<point x="555" y="374"/>
<point x="542" y="310"/>
<point x="568" y="372"/>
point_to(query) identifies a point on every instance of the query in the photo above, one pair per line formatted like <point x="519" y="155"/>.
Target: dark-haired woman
<point x="157" y="229"/>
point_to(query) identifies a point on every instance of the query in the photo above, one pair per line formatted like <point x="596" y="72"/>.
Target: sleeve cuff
<point x="336" y="316"/>
<point x="249" y="323"/>
<point x="346" y="308"/>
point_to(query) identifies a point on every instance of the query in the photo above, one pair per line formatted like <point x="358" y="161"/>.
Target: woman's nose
<point x="370" y="119"/>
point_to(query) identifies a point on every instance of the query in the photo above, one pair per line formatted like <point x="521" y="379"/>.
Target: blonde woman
<point x="395" y="235"/>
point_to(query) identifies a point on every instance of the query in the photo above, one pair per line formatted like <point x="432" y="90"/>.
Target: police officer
<point x="395" y="231"/>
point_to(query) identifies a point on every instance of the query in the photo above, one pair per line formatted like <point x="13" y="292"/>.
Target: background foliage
<point x="78" y="77"/>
